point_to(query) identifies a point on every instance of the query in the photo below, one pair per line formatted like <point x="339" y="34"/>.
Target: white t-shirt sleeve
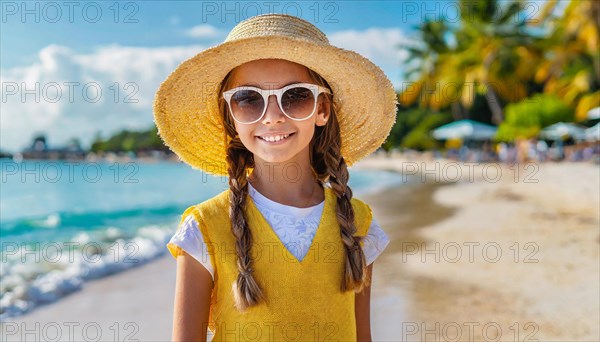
<point x="375" y="242"/>
<point x="190" y="239"/>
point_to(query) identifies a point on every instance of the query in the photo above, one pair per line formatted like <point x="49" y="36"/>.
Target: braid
<point x="328" y="164"/>
<point x="246" y="290"/>
<point x="355" y="270"/>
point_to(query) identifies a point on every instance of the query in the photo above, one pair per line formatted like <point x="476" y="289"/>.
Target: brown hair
<point x="328" y="165"/>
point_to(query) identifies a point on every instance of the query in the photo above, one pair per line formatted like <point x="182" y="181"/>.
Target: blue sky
<point x="119" y="52"/>
<point x="161" y="23"/>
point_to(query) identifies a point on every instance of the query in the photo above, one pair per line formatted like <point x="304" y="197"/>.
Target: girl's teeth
<point x="272" y="139"/>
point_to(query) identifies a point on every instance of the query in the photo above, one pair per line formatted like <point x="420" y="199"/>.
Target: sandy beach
<point x="477" y="252"/>
<point x="511" y="258"/>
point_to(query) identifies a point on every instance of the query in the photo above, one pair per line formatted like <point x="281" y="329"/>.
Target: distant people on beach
<point x="523" y="151"/>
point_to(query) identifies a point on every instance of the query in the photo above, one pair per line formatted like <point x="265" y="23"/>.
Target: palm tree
<point x="423" y="65"/>
<point x="493" y="54"/>
<point x="571" y="65"/>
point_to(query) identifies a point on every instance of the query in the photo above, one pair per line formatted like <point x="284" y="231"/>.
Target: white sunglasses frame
<point x="266" y="93"/>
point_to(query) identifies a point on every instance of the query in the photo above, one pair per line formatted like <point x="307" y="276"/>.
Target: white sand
<point x="544" y="285"/>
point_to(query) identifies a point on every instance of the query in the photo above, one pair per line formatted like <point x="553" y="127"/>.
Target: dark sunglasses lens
<point x="298" y="102"/>
<point x="247" y="105"/>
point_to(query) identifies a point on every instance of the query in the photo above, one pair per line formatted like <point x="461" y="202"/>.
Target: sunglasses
<point x="297" y="101"/>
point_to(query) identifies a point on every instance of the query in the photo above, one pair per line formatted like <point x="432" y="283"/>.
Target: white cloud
<point x="205" y="31"/>
<point x="48" y="96"/>
<point x="29" y="93"/>
<point x="378" y="45"/>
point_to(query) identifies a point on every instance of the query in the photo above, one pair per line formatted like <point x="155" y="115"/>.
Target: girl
<point x="286" y="253"/>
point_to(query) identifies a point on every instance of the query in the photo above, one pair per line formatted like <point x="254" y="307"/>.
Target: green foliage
<point x="412" y="128"/>
<point x="420" y="137"/>
<point x="526" y="118"/>
<point x="126" y="141"/>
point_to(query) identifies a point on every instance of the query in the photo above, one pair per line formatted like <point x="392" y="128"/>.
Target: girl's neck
<point x="287" y="183"/>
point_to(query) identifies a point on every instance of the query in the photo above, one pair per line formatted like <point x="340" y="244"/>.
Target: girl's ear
<point x="323" y="111"/>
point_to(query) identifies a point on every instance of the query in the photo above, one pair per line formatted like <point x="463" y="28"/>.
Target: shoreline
<point x="116" y="307"/>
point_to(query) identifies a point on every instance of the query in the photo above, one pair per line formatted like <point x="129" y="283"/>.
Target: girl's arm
<point x="192" y="299"/>
<point x="363" y="311"/>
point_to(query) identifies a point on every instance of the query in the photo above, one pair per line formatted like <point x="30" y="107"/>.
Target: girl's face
<point x="275" y="74"/>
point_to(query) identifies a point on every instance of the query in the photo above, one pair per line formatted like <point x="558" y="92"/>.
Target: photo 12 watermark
<point x="450" y="92"/>
<point x="469" y="331"/>
<point x="277" y="331"/>
<point x="455" y="11"/>
<point x="70" y="92"/>
<point x="453" y="172"/>
<point x="70" y="331"/>
<point x="471" y="251"/>
<point x="70" y="252"/>
<point x="236" y="11"/>
<point x="273" y="252"/>
<point x="69" y="172"/>
<point x="30" y="12"/>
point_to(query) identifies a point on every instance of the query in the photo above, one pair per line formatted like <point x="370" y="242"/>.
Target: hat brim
<point x="186" y="110"/>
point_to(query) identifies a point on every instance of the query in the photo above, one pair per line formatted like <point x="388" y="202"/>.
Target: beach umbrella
<point x="465" y="130"/>
<point x="560" y="130"/>
<point x="593" y="113"/>
<point x="593" y="133"/>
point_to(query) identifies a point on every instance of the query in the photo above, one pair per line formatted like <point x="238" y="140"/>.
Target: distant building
<point x="39" y="150"/>
<point x="5" y="155"/>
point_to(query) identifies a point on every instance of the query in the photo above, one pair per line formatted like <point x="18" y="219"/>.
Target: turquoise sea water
<point x="63" y="223"/>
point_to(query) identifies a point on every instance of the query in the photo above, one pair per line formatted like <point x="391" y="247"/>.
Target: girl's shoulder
<point x="209" y="216"/>
<point x="215" y="203"/>
<point x="207" y="209"/>
<point x="211" y="204"/>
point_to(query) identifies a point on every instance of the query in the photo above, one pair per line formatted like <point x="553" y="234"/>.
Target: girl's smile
<point x="275" y="138"/>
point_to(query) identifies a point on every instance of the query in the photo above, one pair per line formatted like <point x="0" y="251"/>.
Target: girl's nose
<point x="273" y="112"/>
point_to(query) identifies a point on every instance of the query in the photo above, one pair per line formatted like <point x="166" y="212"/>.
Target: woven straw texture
<point x="186" y="109"/>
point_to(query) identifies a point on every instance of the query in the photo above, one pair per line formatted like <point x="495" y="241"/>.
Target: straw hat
<point x="186" y="109"/>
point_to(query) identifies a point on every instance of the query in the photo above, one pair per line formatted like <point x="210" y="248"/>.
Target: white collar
<point x="262" y="201"/>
